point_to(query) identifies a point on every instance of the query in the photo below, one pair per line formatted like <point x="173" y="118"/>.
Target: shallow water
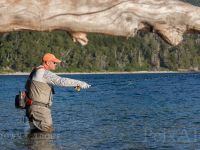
<point x="119" y="112"/>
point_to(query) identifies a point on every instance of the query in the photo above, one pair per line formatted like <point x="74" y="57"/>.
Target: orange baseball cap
<point x="50" y="57"/>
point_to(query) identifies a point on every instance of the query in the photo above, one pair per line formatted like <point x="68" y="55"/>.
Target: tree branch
<point x="170" y="19"/>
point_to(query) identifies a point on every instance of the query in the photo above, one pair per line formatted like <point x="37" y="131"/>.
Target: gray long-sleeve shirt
<point x="46" y="76"/>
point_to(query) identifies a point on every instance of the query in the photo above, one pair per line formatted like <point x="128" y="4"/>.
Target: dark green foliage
<point x="193" y="2"/>
<point x="21" y="51"/>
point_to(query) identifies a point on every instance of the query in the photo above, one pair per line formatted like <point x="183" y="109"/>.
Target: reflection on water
<point x="37" y="141"/>
<point x="46" y="141"/>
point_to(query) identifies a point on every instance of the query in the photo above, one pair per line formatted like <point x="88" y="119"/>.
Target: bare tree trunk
<point x="169" y="18"/>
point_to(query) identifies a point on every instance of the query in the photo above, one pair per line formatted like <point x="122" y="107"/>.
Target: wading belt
<point x="40" y="104"/>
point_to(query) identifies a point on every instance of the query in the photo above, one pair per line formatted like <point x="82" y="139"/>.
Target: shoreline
<point x="109" y="72"/>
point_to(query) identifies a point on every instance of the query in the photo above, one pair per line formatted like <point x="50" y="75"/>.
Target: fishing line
<point x="168" y="76"/>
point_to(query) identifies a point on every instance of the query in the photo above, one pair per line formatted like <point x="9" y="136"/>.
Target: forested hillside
<point x="21" y="51"/>
<point x="194" y="2"/>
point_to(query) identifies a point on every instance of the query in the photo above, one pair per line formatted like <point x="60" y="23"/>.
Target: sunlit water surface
<point x="119" y="112"/>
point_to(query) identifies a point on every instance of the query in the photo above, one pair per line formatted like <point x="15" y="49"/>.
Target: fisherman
<point x="39" y="88"/>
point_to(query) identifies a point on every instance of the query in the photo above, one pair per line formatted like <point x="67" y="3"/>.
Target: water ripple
<point x="124" y="111"/>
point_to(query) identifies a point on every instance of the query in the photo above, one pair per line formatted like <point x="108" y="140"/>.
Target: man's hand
<point x="84" y="85"/>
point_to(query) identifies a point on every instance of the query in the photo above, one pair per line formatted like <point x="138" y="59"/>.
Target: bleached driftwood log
<point x="169" y="18"/>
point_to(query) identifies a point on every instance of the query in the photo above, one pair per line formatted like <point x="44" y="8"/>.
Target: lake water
<point x="119" y="112"/>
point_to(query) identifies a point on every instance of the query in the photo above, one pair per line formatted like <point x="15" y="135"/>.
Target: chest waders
<point x="39" y="112"/>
